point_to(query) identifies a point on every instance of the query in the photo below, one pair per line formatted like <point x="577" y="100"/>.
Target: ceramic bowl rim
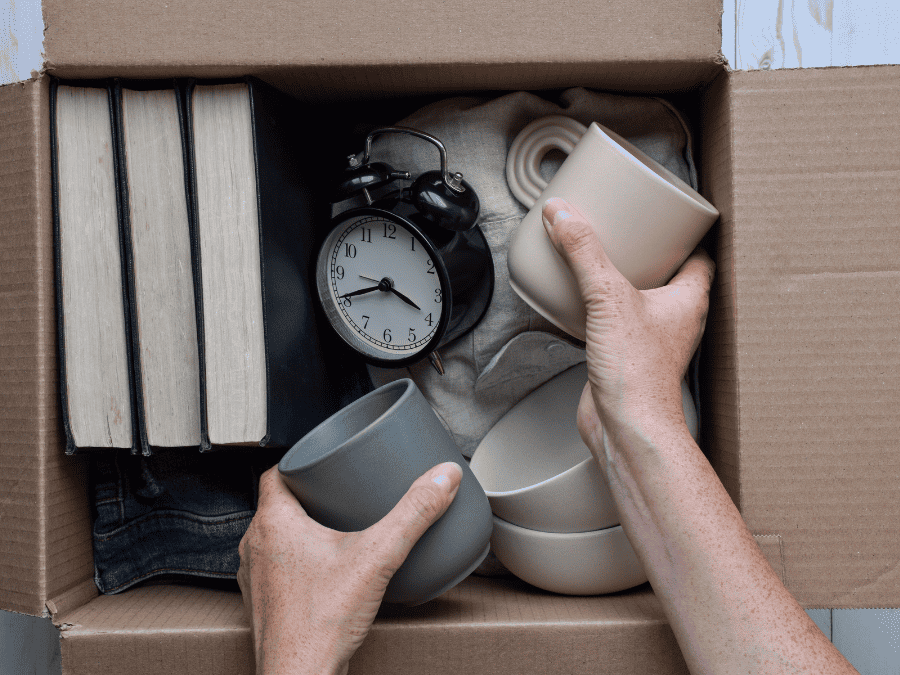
<point x="641" y="161"/>
<point x="540" y="535"/>
<point x="408" y="391"/>
<point x="534" y="486"/>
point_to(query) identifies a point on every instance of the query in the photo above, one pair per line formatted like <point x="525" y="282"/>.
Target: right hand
<point x="638" y="343"/>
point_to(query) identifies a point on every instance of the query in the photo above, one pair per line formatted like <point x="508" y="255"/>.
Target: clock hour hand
<point x="404" y="298"/>
<point x="360" y="291"/>
<point x="387" y="285"/>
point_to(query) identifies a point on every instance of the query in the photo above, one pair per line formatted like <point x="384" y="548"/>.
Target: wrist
<point x="295" y="655"/>
<point x="303" y="668"/>
<point x="647" y="411"/>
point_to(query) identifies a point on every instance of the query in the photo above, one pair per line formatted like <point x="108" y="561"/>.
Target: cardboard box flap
<point x="481" y="626"/>
<point x="209" y="38"/>
<point x="45" y="540"/>
<point x="814" y="271"/>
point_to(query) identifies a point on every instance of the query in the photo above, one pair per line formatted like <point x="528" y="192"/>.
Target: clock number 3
<point x="437" y="294"/>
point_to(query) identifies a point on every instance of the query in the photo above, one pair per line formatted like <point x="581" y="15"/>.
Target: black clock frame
<point x="464" y="264"/>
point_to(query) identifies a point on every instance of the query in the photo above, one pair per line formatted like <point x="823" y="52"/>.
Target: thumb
<point x="422" y="505"/>
<point x="575" y="240"/>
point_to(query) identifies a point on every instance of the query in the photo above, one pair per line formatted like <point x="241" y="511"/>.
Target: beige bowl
<point x="538" y="473"/>
<point x="583" y="563"/>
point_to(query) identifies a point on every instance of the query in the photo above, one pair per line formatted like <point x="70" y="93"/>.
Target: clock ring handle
<point x="452" y="180"/>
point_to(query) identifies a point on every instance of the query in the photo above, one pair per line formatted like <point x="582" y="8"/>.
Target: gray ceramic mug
<point x="353" y="468"/>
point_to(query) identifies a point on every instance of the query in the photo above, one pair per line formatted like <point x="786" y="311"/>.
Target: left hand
<point x="312" y="592"/>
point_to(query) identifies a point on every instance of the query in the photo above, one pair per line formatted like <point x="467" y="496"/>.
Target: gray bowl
<point x="353" y="468"/>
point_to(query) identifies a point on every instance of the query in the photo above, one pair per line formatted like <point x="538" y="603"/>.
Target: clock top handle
<point x="454" y="181"/>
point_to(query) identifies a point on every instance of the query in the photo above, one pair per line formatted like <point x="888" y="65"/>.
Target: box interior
<point x="800" y="368"/>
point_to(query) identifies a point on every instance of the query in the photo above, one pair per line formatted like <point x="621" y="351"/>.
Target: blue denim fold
<point x="176" y="513"/>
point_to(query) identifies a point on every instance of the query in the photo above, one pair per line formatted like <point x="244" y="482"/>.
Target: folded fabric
<point x="173" y="513"/>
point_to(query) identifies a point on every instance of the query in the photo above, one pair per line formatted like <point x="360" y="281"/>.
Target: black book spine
<point x="133" y="332"/>
<point x="185" y="90"/>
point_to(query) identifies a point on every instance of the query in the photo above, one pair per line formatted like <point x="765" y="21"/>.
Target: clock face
<point x="382" y="287"/>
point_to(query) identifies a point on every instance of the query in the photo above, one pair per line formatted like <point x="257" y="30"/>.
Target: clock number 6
<point x="387" y="335"/>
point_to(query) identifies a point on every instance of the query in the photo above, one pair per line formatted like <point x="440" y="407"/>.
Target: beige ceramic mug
<point x="648" y="220"/>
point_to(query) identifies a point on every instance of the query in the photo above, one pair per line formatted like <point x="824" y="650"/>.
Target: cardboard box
<point x="801" y="380"/>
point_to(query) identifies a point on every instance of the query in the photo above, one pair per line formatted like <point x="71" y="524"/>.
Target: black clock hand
<point x="390" y="286"/>
<point x="360" y="292"/>
<point x="404" y="298"/>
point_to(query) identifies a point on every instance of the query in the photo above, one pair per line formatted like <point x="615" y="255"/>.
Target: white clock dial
<point x="381" y="288"/>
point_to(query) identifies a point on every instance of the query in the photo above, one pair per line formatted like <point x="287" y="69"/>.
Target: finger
<point x="273" y="492"/>
<point x="422" y="505"/>
<point x="698" y="272"/>
<point x="690" y="288"/>
<point x="575" y="240"/>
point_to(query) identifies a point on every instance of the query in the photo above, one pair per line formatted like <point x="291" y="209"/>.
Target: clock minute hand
<point x="404" y="298"/>
<point x="359" y="292"/>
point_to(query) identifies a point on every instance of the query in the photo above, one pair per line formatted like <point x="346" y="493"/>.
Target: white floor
<point x="756" y="34"/>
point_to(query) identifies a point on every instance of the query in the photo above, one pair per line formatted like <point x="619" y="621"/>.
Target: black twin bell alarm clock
<point x="409" y="272"/>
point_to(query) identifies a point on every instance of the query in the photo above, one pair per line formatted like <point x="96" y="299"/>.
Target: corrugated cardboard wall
<point x="719" y="385"/>
<point x="46" y="545"/>
<point x="395" y="42"/>
<point x="815" y="250"/>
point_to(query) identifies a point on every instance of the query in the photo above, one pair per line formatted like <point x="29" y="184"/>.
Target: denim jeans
<point x="183" y="513"/>
<point x="176" y="512"/>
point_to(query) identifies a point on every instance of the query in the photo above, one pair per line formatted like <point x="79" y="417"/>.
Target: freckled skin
<point x="728" y="609"/>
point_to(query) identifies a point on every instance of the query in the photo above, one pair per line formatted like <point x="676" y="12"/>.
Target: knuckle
<point x="576" y="236"/>
<point x="425" y="505"/>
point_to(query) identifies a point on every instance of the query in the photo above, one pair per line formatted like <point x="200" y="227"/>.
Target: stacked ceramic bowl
<point x="555" y="523"/>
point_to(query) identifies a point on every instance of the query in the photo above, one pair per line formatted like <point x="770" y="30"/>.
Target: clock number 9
<point x="339" y="271"/>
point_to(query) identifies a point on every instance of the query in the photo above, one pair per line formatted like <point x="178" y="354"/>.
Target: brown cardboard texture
<point x="799" y="393"/>
<point x="802" y="357"/>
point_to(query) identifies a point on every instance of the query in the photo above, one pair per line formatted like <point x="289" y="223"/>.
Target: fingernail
<point x="443" y="474"/>
<point x="560" y="208"/>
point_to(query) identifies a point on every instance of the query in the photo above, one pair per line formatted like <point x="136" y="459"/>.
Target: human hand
<point x="638" y="343"/>
<point x="312" y="592"/>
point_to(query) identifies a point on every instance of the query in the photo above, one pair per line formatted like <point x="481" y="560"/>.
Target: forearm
<point x="728" y="609"/>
